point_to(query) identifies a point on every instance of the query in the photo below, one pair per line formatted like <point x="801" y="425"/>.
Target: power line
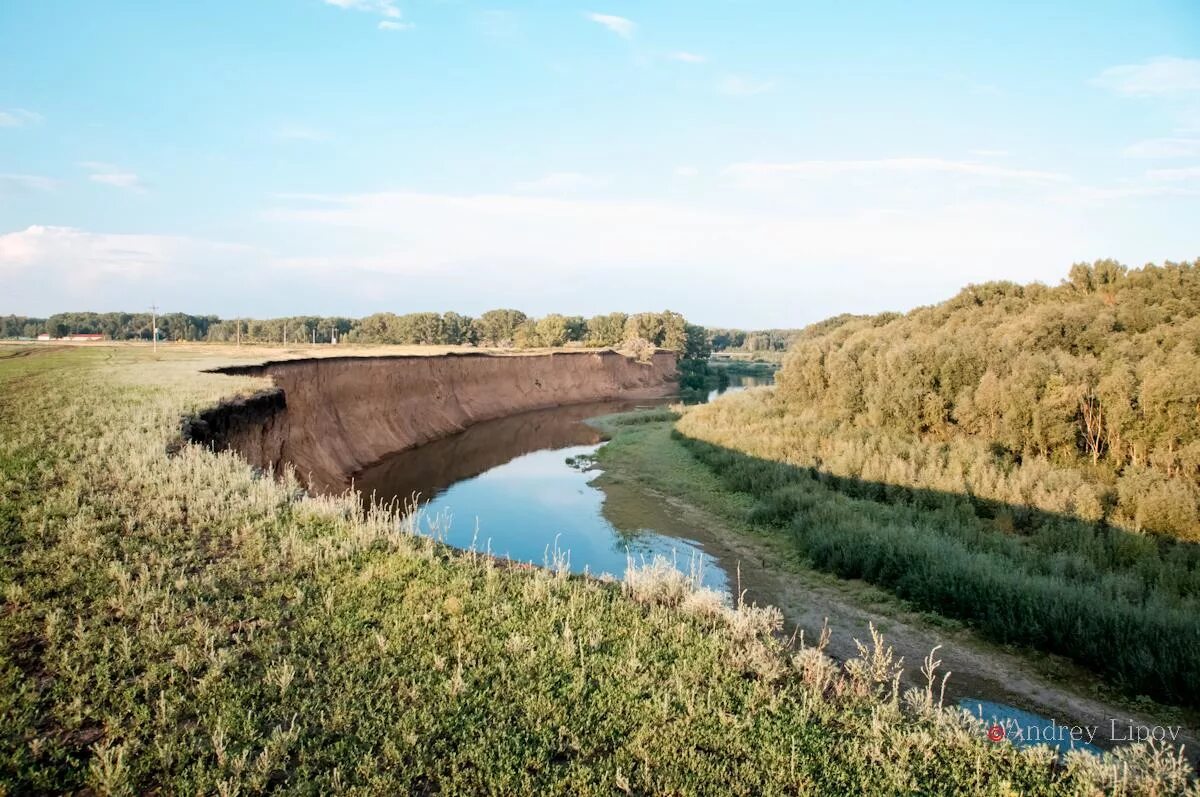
<point x="154" y="325"/>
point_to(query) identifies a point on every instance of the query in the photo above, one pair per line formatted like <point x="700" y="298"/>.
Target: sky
<point x="752" y="163"/>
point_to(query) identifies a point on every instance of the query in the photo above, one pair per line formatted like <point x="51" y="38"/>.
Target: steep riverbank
<point x="332" y="417"/>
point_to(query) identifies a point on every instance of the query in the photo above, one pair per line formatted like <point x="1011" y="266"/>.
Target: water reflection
<point x="506" y="487"/>
<point x="429" y="469"/>
<point x="738" y="383"/>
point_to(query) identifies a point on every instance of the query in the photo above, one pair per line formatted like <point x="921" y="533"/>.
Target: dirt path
<point x="978" y="670"/>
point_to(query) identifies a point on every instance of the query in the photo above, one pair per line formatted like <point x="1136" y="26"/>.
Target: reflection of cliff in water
<point x="429" y="469"/>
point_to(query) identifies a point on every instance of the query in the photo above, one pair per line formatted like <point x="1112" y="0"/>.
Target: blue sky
<point x="746" y="162"/>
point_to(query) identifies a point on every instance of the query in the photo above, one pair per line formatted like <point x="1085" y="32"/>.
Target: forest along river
<point x="521" y="487"/>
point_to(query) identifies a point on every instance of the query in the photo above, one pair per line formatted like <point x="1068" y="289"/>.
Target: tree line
<point x="1099" y="377"/>
<point x="500" y="328"/>
<point x="762" y="340"/>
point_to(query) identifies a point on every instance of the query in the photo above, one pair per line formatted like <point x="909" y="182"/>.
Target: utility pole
<point x="154" y="325"/>
<point x="285" y="334"/>
<point x="239" y="331"/>
<point x="314" y="336"/>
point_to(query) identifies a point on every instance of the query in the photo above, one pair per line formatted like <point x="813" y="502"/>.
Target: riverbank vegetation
<point x="1017" y="457"/>
<point x="184" y="624"/>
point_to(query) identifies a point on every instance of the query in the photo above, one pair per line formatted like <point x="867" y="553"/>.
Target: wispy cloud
<point x="110" y="174"/>
<point x="28" y="182"/>
<point x="415" y="233"/>
<point x="687" y="171"/>
<point x="824" y="168"/>
<point x="737" y="86"/>
<point x="391" y="13"/>
<point x="1174" y="175"/>
<point x="1157" y="77"/>
<point x="385" y="8"/>
<point x="49" y="268"/>
<point x="19" y="117"/>
<point x="1108" y="194"/>
<point x="561" y="182"/>
<point x="688" y="58"/>
<point x="1164" y="148"/>
<point x="619" y="25"/>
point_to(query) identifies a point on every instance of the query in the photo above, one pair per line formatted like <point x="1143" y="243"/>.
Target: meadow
<point x="182" y="623"/>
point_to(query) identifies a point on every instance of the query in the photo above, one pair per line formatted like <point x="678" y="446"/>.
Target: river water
<point x="522" y="487"/>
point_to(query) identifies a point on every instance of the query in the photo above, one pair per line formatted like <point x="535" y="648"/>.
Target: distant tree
<point x="606" y="330"/>
<point x="499" y="327"/>
<point x="646" y="326"/>
<point x="459" y="329"/>
<point x="552" y="330"/>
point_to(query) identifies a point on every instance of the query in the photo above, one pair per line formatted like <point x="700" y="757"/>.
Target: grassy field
<point x="183" y="624"/>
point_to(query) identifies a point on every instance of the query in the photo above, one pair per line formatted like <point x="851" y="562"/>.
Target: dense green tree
<point x="458" y="329"/>
<point x="606" y="330"/>
<point x="1103" y="370"/>
<point x="551" y="330"/>
<point x="499" y="327"/>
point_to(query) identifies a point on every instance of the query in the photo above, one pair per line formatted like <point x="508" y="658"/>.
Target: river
<point x="523" y="487"/>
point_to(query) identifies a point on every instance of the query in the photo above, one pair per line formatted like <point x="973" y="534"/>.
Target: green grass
<point x="183" y="625"/>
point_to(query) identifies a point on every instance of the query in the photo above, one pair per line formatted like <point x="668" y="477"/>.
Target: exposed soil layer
<point x="332" y="417"/>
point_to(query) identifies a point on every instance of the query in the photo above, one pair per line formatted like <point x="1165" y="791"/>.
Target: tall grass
<point x="1125" y="605"/>
<point x="184" y="625"/>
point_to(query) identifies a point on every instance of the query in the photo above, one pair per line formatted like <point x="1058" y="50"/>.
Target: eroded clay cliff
<point x="332" y="417"/>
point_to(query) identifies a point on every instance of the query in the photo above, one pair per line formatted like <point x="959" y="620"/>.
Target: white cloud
<point x="1174" y="175"/>
<point x="30" y="182"/>
<point x="562" y="182"/>
<point x="687" y="171"/>
<point x="1164" y="148"/>
<point x="388" y="24"/>
<point x="1107" y="194"/>
<point x="736" y="86"/>
<point x="619" y="25"/>
<point x="757" y="171"/>
<point x="1163" y="76"/>
<point x="413" y="233"/>
<point x="688" y="58"/>
<point x="386" y="8"/>
<point x="88" y="256"/>
<point x="19" y="117"/>
<point x="49" y="269"/>
<point x="109" y="174"/>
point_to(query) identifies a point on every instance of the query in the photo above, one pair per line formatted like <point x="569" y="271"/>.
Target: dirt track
<point x="809" y="600"/>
